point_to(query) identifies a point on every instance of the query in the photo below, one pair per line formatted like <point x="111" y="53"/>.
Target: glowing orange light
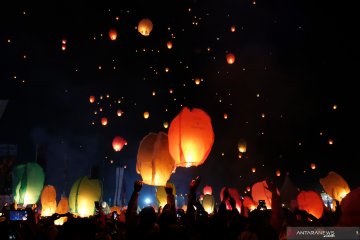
<point x="312" y="166"/>
<point x="331" y="142"/>
<point x="233" y="29"/>
<point x="112" y="34"/>
<point x="230" y="58"/>
<point x="278" y="173"/>
<point x="225" y="116"/>
<point x="253" y="170"/>
<point x="104" y="121"/>
<point x="92" y="99"/>
<point x="146" y="115"/>
<point x="169" y="45"/>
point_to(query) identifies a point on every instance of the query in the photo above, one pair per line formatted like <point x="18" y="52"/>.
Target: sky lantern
<point x="225" y="116"/>
<point x="278" y="173"/>
<point x="242" y="146"/>
<point x="169" y="45"/>
<point x="197" y="81"/>
<point x="119" y="113"/>
<point x="63" y="47"/>
<point x="154" y="162"/>
<point x="249" y="203"/>
<point x="92" y="99"/>
<point x="313" y="166"/>
<point x="311" y="202"/>
<point x="146" y="115"/>
<point x="166" y="124"/>
<point x="350" y="209"/>
<point x="112" y="34"/>
<point x="48" y="201"/>
<point x="118" y="143"/>
<point x="233" y="28"/>
<point x="233" y="193"/>
<point x="248" y="188"/>
<point x="207" y="190"/>
<point x="335" y="185"/>
<point x="145" y="27"/>
<point x="253" y="170"/>
<point x="84" y="192"/>
<point x="104" y="121"/>
<point x="208" y="203"/>
<point x="191" y="137"/>
<point x="62" y="208"/>
<point x="28" y="182"/>
<point x="161" y="195"/>
<point x="230" y="58"/>
<point x="259" y="192"/>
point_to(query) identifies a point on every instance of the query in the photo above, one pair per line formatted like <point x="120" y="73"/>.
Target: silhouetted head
<point x="147" y="216"/>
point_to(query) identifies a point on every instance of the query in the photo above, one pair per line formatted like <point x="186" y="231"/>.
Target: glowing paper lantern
<point x="119" y="113"/>
<point x="104" y="121"/>
<point x="118" y="143"/>
<point x="197" y="81"/>
<point x="311" y="202"/>
<point x="335" y="186"/>
<point x="233" y="29"/>
<point x="169" y="45"/>
<point x="253" y="170"/>
<point x="115" y="209"/>
<point x="350" y="209"/>
<point x="113" y="34"/>
<point x="146" y="115"/>
<point x="249" y="203"/>
<point x="234" y="194"/>
<point x="230" y="58"/>
<point x="84" y="192"/>
<point x="62" y="208"/>
<point x="312" y="166"/>
<point x="259" y="191"/>
<point x="28" y="181"/>
<point x="225" y="116"/>
<point x="166" y="124"/>
<point x="145" y="27"/>
<point x="191" y="137"/>
<point x="161" y="195"/>
<point x="242" y="146"/>
<point x="208" y="203"/>
<point x="63" y="47"/>
<point x="92" y="99"/>
<point x="278" y="173"/>
<point x="48" y="201"/>
<point x="207" y="190"/>
<point x="248" y="188"/>
<point x="154" y="162"/>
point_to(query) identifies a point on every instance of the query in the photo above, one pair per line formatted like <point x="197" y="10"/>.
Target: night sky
<point x="290" y="92"/>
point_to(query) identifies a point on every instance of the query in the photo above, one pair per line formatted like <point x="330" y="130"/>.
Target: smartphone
<point x="115" y="215"/>
<point x="18" y="215"/>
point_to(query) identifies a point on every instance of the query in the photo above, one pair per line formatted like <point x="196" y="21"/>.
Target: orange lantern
<point x="191" y="137"/>
<point x="207" y="190"/>
<point x="63" y="41"/>
<point x="169" y="45"/>
<point x="311" y="202"/>
<point x="145" y="27"/>
<point x="335" y="186"/>
<point x="248" y="188"/>
<point x="232" y="29"/>
<point x="146" y="115"/>
<point x="115" y="209"/>
<point x="312" y="166"/>
<point x="62" y="208"/>
<point x="63" y="47"/>
<point x="259" y="191"/>
<point x="230" y="58"/>
<point x="225" y="116"/>
<point x="92" y="99"/>
<point x="242" y="146"/>
<point x="104" y="121"/>
<point x="278" y="173"/>
<point x="48" y="201"/>
<point x="253" y="170"/>
<point x="118" y="143"/>
<point x="119" y="113"/>
<point x="249" y="203"/>
<point x="197" y="81"/>
<point x="234" y="194"/>
<point x="112" y="34"/>
<point x="154" y="162"/>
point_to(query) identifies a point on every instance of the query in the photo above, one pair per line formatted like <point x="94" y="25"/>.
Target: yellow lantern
<point x="154" y="162"/>
<point x="48" y="201"/>
<point x="62" y="208"/>
<point x="191" y="137"/>
<point x="145" y="27"/>
<point x="208" y="203"/>
<point x="146" y="115"/>
<point x="166" y="124"/>
<point x="161" y="195"/>
<point x="197" y="81"/>
<point x="335" y="185"/>
<point x="242" y="146"/>
<point x="230" y="58"/>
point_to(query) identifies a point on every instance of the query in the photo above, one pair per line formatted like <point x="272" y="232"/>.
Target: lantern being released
<point x="145" y="27"/>
<point x="118" y="143"/>
<point x="48" y="201"/>
<point x="335" y="186"/>
<point x="154" y="162"/>
<point x="191" y="137"/>
<point x="208" y="203"/>
<point x="311" y="202"/>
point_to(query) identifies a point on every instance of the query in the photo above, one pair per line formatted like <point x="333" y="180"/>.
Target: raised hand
<point x="195" y="183"/>
<point x="138" y="185"/>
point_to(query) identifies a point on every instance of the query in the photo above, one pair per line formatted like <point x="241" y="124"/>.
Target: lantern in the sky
<point x="169" y="45"/>
<point x="207" y="190"/>
<point x="154" y="162"/>
<point x="112" y="34"/>
<point x="311" y="202"/>
<point x="48" y="201"/>
<point x="248" y="188"/>
<point x="63" y="47"/>
<point x="335" y="185"/>
<point x="119" y="113"/>
<point x="230" y="58"/>
<point x="28" y="181"/>
<point x="242" y="146"/>
<point x="166" y="124"/>
<point x="260" y="191"/>
<point x="84" y="192"/>
<point x="104" y="121"/>
<point x="145" y="27"/>
<point x="225" y="116"/>
<point x="92" y="99"/>
<point x="278" y="173"/>
<point x="253" y="170"/>
<point x="233" y="28"/>
<point x="146" y="115"/>
<point x="118" y="143"/>
<point x="208" y="203"/>
<point x="191" y="137"/>
<point x="161" y="195"/>
<point x="312" y="166"/>
<point x="62" y="208"/>
<point x="197" y="81"/>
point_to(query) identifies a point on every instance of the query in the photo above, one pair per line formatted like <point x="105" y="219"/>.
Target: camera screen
<point x="18" y="215"/>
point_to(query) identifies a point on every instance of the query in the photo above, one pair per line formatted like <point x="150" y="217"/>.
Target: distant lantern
<point x="169" y="45"/>
<point x="63" y="41"/>
<point x="335" y="185"/>
<point x="166" y="124"/>
<point x="253" y="170"/>
<point x="119" y="113"/>
<point x="146" y="115"/>
<point x="248" y="188"/>
<point x="48" y="201"/>
<point x="242" y="146"/>
<point x="154" y="162"/>
<point x="191" y="137"/>
<point x="230" y="58"/>
<point x="167" y="69"/>
<point x="112" y="34"/>
<point x="233" y="29"/>
<point x="331" y="142"/>
<point x="313" y="166"/>
<point x="197" y="81"/>
<point x="84" y="192"/>
<point x="225" y="116"/>
<point x="63" y="47"/>
<point x="145" y="27"/>
<point x="278" y="173"/>
<point x="104" y="121"/>
<point x="207" y="190"/>
<point x="118" y="143"/>
<point x="92" y="99"/>
<point x="311" y="202"/>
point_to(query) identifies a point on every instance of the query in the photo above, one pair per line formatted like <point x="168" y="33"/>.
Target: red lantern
<point x="233" y="29"/>
<point x="278" y="173"/>
<point x="169" y="45"/>
<point x="230" y="58"/>
<point x="311" y="202"/>
<point x="104" y="121"/>
<point x="118" y="143"/>
<point x="92" y="99"/>
<point x="113" y="34"/>
<point x="313" y="166"/>
<point x="191" y="137"/>
<point x="207" y="190"/>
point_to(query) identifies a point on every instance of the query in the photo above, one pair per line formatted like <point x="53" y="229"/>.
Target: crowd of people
<point x="171" y="223"/>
